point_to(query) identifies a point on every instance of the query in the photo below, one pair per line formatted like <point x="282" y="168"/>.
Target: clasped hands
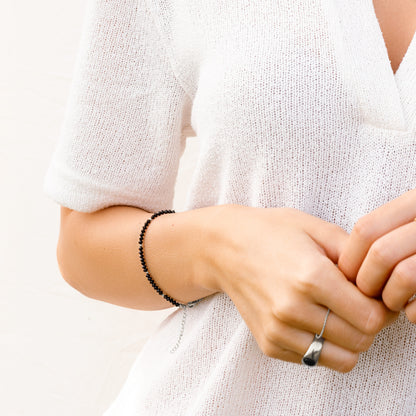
<point x="283" y="268"/>
<point x="380" y="254"/>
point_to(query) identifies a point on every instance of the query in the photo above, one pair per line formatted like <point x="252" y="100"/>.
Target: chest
<point x="397" y="21"/>
<point x="284" y="67"/>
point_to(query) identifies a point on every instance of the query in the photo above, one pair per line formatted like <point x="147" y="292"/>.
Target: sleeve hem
<point x="77" y="194"/>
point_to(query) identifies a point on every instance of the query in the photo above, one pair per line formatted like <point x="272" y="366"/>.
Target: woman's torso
<point x="296" y="104"/>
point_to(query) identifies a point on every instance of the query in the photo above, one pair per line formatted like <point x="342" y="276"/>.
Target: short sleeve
<point x="123" y="130"/>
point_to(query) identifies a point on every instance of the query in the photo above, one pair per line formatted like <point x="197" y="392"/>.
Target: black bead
<point x="142" y="260"/>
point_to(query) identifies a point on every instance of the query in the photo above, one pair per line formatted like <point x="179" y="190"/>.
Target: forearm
<point x="98" y="255"/>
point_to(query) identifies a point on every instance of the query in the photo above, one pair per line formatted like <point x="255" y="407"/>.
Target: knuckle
<point x="269" y="349"/>
<point x="406" y="275"/>
<point x="389" y="302"/>
<point x="381" y="252"/>
<point x="375" y="320"/>
<point x="411" y="316"/>
<point x="285" y="355"/>
<point x="270" y="331"/>
<point x="285" y="311"/>
<point x="364" y="229"/>
<point x="364" y="343"/>
<point x="272" y="350"/>
<point x="309" y="280"/>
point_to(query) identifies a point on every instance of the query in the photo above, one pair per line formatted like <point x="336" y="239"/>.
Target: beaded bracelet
<point x="153" y="283"/>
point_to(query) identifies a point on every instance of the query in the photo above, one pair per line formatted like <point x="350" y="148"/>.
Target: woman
<point x="298" y="241"/>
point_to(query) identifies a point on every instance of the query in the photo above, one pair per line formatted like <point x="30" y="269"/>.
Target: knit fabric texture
<point x="296" y="105"/>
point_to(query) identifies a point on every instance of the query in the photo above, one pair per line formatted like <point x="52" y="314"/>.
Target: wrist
<point x="214" y="252"/>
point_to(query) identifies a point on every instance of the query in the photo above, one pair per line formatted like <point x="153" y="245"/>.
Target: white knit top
<point x="296" y="104"/>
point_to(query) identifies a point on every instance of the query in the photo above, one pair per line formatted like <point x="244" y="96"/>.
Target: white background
<point x="61" y="353"/>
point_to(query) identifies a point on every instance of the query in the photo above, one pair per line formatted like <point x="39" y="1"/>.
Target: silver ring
<point x="311" y="356"/>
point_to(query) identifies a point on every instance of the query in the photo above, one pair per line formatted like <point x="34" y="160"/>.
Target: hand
<point x="380" y="254"/>
<point x="278" y="267"/>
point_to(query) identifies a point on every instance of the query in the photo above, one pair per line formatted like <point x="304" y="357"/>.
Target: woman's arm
<point x="278" y="266"/>
<point x="98" y="255"/>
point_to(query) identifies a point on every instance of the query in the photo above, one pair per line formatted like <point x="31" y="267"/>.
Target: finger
<point x="336" y="330"/>
<point x="402" y="284"/>
<point x="331" y="237"/>
<point x="410" y="310"/>
<point x="290" y="344"/>
<point x="384" y="254"/>
<point x="372" y="226"/>
<point x="337" y="358"/>
<point x="368" y="315"/>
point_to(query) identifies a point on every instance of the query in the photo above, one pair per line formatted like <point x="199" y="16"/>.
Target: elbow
<point x="67" y="269"/>
<point x="65" y="255"/>
<point x="61" y="260"/>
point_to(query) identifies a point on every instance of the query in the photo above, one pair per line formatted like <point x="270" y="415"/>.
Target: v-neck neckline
<point x="384" y="97"/>
<point x="383" y="45"/>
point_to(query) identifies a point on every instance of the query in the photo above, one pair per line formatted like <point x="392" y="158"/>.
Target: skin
<point x="380" y="254"/>
<point x="397" y="20"/>
<point x="278" y="265"/>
